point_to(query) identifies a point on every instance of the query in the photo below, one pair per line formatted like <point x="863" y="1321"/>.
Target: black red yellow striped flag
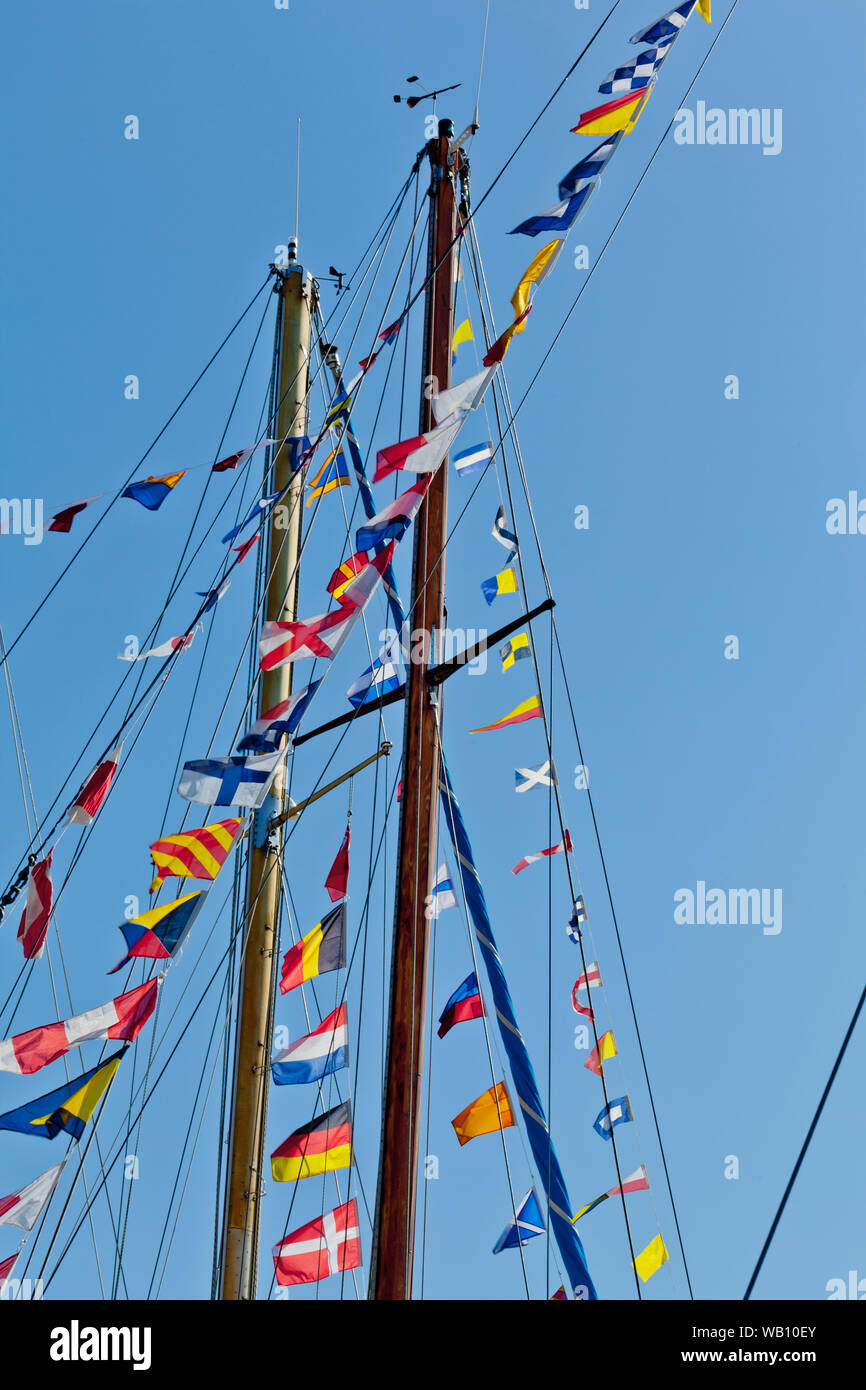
<point x="318" y="1147"/>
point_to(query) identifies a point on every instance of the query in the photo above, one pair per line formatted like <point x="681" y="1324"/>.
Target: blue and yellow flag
<point x="333" y="473"/>
<point x="67" y="1109"/>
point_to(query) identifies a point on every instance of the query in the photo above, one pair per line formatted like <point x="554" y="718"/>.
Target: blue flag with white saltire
<point x="636" y="74"/>
<point x="590" y="167"/>
<point x="526" y="1223"/>
<point x="229" y="781"/>
<point x="667" y="27"/>
<point x="525" y="778"/>
<point x="616" y="1112"/>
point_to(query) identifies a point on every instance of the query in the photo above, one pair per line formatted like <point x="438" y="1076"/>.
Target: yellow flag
<point x="539" y="266"/>
<point x="651" y="1259"/>
<point x="462" y="334"/>
<point x="619" y="114"/>
<point x="485" y="1115"/>
<point x="704" y="10"/>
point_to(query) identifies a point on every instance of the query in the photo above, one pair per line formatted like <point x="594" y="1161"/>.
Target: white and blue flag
<point x="589" y="168"/>
<point x="229" y="781"/>
<point x="469" y="460"/>
<point x="616" y="1112"/>
<point x="526" y="1223"/>
<point x="318" y="1054"/>
<point x="380" y="678"/>
<point x="505" y="537"/>
<point x="283" y="718"/>
<point x="441" y="895"/>
<point x="631" y="77"/>
<point x="667" y="27"/>
<point x="525" y="778"/>
<point x="578" y="915"/>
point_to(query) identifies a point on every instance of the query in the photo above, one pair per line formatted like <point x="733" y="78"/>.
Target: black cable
<point x="806" y="1142"/>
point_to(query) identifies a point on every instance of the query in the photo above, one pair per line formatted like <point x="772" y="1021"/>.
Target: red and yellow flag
<point x="530" y="709"/>
<point x="194" y="853"/>
<point x="318" y="1147"/>
<point x="619" y="114"/>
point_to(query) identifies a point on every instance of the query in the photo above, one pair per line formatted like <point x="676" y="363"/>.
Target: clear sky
<point x="706" y="521"/>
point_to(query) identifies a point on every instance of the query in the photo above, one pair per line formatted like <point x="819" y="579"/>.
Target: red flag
<point x="34" y="918"/>
<point x="94" y="791"/>
<point x="346" y="572"/>
<point x="244" y="549"/>
<point x="498" y="350"/>
<point x="62" y="520"/>
<point x="6" y="1267"/>
<point x="328" y="1245"/>
<point x="337" y="882"/>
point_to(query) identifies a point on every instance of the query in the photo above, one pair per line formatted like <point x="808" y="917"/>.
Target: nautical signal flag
<point x="333" y="473"/>
<point x="282" y="718"/>
<point x="328" y="1245"/>
<point x="321" y="950"/>
<point x="319" y="637"/>
<point x="423" y="453"/>
<point x="527" y="1222"/>
<point x="245" y="547"/>
<point x="441" y="894"/>
<point x="195" y="853"/>
<point x="6" y="1268"/>
<point x="159" y="933"/>
<point x="62" y="520"/>
<point x="393" y="521"/>
<point x="503" y="583"/>
<point x="529" y="709"/>
<point x="95" y="790"/>
<point x="240" y="458"/>
<point x="563" y="846"/>
<point x="578" y="915"/>
<point x="24" y="1207"/>
<point x="505" y="537"/>
<point x="559" y="218"/>
<point x="121" y="1019"/>
<point x="152" y="492"/>
<point x="321" y="1146"/>
<point x="590" y="980"/>
<point x="387" y="336"/>
<point x="213" y="596"/>
<point x="37" y="909"/>
<point x="525" y="778"/>
<point x="380" y="678"/>
<point x="173" y="644"/>
<point x="620" y="114"/>
<point x="464" y="396"/>
<point x="652" y="1258"/>
<point x="491" y="1111"/>
<point x="345" y="573"/>
<point x="320" y="1053"/>
<point x="465" y="1003"/>
<point x="66" y="1110"/>
<point x="259" y="506"/>
<point x="632" y="76"/>
<point x="589" y="168"/>
<point x="337" y="882"/>
<point x="239" y="781"/>
<point x="671" y="23"/>
<point x="515" y="649"/>
<point x="638" y="1181"/>
<point x="462" y="334"/>
<point x="604" y="1048"/>
<point x="616" y="1112"/>
<point x="496" y="352"/>
<point x="471" y="459"/>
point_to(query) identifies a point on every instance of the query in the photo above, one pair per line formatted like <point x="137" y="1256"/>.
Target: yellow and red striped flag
<point x="194" y="853"/>
<point x="530" y="709"/>
<point x="619" y="114"/>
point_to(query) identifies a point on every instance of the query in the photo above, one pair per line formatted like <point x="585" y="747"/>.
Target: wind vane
<point x="413" y="101"/>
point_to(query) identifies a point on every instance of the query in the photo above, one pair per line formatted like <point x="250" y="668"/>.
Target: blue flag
<point x="616" y="1112"/>
<point x="258" y="507"/>
<point x="527" y="1223"/>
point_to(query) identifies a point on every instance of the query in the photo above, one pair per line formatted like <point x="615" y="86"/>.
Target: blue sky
<point x="707" y="519"/>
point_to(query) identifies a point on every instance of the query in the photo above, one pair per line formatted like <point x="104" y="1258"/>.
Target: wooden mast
<point x="252" y="1056"/>
<point x="391" y="1276"/>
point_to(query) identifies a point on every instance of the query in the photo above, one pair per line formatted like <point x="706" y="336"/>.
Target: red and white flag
<point x="236" y="460"/>
<point x="172" y="645"/>
<point x="37" y="910"/>
<point x="544" y="853"/>
<point x="122" y="1018"/>
<point x="421" y="454"/>
<point x="337" y="882"/>
<point x="324" y="635"/>
<point x="591" y="980"/>
<point x="23" y="1208"/>
<point x="94" y="791"/>
<point x="328" y="1245"/>
<point x="6" y="1268"/>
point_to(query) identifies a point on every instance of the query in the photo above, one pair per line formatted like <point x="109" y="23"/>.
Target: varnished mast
<point x="252" y="1075"/>
<point x="391" y="1276"/>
